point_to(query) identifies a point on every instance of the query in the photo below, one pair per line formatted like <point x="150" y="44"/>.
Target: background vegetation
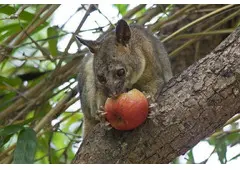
<point x="40" y="120"/>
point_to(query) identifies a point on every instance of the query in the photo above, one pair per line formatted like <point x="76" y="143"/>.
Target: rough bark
<point x="191" y="107"/>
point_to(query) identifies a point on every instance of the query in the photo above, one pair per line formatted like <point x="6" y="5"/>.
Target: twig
<point x="133" y="11"/>
<point x="16" y="15"/>
<point x="103" y="15"/>
<point x="19" y="11"/>
<point x="197" y="21"/>
<point x="30" y="105"/>
<point x="188" y="43"/>
<point x="197" y="47"/>
<point x="7" y="160"/>
<point x="71" y="141"/>
<point x="150" y="14"/>
<point x="234" y="119"/>
<point x="68" y="134"/>
<point x="37" y="16"/>
<point x="48" y="154"/>
<point x="157" y="25"/>
<point x="72" y="101"/>
<point x="54" y="79"/>
<point x="95" y="29"/>
<point x="225" y="132"/>
<point x="205" y="161"/>
<point x="230" y="121"/>
<point x="90" y="9"/>
<point x="60" y="106"/>
<point x="12" y="88"/>
<point x="71" y="17"/>
<point x="31" y="27"/>
<point x="63" y="119"/>
<point x="45" y="39"/>
<point x="43" y="51"/>
<point x="126" y="16"/>
<point x="39" y="58"/>
<point x="192" y="35"/>
<point x="5" y="152"/>
<point x="49" y="148"/>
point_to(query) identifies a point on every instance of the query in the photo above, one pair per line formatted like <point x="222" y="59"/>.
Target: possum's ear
<point x="92" y="45"/>
<point x="123" y="32"/>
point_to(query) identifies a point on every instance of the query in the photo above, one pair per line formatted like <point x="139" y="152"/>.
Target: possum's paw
<point x="152" y="108"/>
<point x="101" y="117"/>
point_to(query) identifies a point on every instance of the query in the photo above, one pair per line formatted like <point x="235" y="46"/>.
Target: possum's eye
<point x="121" y="72"/>
<point x="101" y="79"/>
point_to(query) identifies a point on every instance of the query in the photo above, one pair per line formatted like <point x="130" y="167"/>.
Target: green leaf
<point x="212" y="141"/>
<point x="176" y="161"/>
<point x="235" y="157"/>
<point x="65" y="125"/>
<point x="9" y="130"/>
<point x="232" y="138"/>
<point x="6" y="99"/>
<point x="4" y="140"/>
<point x="10" y="29"/>
<point x="71" y="154"/>
<point x="12" y="26"/>
<point x="9" y="81"/>
<point x="26" y="147"/>
<point x="221" y="149"/>
<point x="42" y="110"/>
<point x="59" y="140"/>
<point x="122" y="8"/>
<point x="21" y="70"/>
<point x="52" y="42"/>
<point x="141" y="12"/>
<point x="190" y="157"/>
<point x="9" y="10"/>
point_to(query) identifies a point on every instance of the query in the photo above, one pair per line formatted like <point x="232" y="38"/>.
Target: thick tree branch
<point x="191" y="107"/>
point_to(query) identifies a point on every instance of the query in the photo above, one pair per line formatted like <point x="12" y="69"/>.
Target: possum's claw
<point x="101" y="116"/>
<point x="152" y="108"/>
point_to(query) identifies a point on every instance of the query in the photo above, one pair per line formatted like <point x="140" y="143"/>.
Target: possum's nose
<point x="114" y="95"/>
<point x="115" y="89"/>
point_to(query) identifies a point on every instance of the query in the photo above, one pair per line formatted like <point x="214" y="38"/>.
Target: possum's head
<point x="118" y="64"/>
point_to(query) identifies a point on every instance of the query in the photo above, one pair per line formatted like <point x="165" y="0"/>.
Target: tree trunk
<point x="190" y="108"/>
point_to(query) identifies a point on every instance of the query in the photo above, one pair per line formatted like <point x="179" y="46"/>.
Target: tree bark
<point x="190" y="108"/>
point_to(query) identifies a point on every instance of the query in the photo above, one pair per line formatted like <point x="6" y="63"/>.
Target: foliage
<point x="40" y="121"/>
<point x="26" y="147"/>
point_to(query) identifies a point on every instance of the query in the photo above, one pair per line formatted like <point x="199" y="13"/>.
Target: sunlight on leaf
<point x="52" y="31"/>
<point x="122" y="8"/>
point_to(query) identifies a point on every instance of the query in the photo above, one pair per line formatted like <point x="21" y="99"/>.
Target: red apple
<point x="127" y="111"/>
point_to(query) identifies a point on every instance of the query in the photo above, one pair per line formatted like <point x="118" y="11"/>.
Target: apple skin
<point x="127" y="111"/>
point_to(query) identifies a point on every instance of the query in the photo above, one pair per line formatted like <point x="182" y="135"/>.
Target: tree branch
<point x="197" y="21"/>
<point x="39" y="92"/>
<point x="190" y="107"/>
